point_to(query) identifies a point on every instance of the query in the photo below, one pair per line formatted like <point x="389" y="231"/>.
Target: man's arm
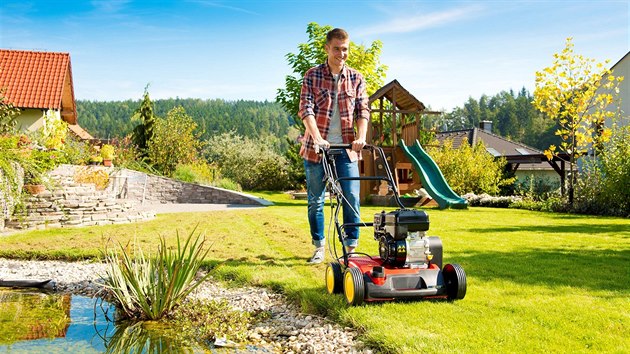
<point x="306" y="112"/>
<point x="359" y="143"/>
<point x="313" y="131"/>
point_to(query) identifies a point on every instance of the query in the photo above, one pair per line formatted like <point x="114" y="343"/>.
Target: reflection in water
<point x="28" y="315"/>
<point x="34" y="321"/>
<point x="143" y="337"/>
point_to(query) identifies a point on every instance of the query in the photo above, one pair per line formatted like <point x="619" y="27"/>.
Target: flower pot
<point x="107" y="163"/>
<point x="34" y="189"/>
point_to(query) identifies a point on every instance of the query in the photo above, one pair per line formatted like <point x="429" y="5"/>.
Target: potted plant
<point x="107" y="153"/>
<point x="33" y="182"/>
<point x="95" y="160"/>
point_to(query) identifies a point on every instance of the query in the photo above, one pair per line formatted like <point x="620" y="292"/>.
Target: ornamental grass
<point x="150" y="287"/>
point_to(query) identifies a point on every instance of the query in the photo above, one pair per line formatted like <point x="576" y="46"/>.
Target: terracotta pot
<point x="34" y="188"/>
<point x="107" y="163"/>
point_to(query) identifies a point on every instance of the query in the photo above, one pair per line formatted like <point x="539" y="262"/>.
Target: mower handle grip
<point x="319" y="148"/>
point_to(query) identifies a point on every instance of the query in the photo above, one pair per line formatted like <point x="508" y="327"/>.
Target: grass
<point x="536" y="281"/>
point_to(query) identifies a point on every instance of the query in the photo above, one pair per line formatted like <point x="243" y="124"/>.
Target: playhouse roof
<point x="41" y="80"/>
<point x="399" y="96"/>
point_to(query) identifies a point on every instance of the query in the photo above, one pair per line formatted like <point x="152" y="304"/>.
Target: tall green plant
<point x="167" y="149"/>
<point x="150" y="287"/>
<point x="143" y="132"/>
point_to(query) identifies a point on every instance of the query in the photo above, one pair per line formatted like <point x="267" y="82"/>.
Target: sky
<point x="442" y="52"/>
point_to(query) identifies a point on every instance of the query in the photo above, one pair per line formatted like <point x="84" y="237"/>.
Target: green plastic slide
<point x="432" y="178"/>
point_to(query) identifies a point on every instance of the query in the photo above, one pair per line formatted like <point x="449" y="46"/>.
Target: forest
<point x="252" y="119"/>
<point x="512" y="114"/>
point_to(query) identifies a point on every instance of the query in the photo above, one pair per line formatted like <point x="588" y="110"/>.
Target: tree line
<point x="252" y="119"/>
<point x="512" y="114"/>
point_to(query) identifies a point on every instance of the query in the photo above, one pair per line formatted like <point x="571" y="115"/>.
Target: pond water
<point x="38" y="322"/>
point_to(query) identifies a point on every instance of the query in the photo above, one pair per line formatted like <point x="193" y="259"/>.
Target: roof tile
<point x="33" y="79"/>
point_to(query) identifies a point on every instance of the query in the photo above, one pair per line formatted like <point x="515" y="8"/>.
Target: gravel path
<point x="287" y="330"/>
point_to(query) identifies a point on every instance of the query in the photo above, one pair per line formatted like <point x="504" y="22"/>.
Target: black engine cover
<point x="398" y="223"/>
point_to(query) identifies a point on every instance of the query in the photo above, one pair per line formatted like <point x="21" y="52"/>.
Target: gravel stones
<point x="285" y="331"/>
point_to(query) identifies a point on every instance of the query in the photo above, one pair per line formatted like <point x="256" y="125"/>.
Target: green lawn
<point x="537" y="282"/>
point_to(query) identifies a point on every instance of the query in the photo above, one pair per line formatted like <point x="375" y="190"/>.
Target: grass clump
<point x="150" y="287"/>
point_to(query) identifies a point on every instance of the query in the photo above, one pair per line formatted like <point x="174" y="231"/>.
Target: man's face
<point x="338" y="50"/>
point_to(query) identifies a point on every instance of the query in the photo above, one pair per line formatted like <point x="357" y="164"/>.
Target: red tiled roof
<point x="80" y="132"/>
<point x="38" y="80"/>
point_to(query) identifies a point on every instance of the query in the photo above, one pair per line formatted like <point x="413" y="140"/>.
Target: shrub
<point x="485" y="200"/>
<point x="99" y="178"/>
<point x="76" y="152"/>
<point x="227" y="183"/>
<point x="470" y="169"/>
<point x="174" y="141"/>
<point x="250" y="163"/>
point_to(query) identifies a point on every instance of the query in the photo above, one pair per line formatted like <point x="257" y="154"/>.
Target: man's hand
<point x="358" y="144"/>
<point x="321" y="144"/>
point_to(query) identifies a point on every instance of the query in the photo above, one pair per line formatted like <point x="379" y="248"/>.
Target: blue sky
<point x="441" y="51"/>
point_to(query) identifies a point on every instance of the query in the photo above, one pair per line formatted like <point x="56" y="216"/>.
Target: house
<point x="40" y="84"/>
<point x="622" y="68"/>
<point x="525" y="161"/>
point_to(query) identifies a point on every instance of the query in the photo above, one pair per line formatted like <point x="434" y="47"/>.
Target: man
<point x="332" y="100"/>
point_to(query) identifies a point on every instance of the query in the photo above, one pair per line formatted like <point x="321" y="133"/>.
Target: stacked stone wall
<point x="127" y="198"/>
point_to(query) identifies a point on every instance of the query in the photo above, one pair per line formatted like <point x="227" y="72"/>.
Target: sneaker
<point x="318" y="256"/>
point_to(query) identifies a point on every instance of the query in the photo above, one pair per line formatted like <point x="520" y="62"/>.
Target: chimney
<point x="486" y="125"/>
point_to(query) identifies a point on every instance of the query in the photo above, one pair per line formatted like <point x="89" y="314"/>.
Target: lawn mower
<point x="409" y="264"/>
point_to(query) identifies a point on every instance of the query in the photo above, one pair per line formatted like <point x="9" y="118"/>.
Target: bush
<point x="470" y="169"/>
<point x="174" y="141"/>
<point x="250" y="163"/>
<point x="603" y="185"/>
<point x="76" y="152"/>
<point x="485" y="200"/>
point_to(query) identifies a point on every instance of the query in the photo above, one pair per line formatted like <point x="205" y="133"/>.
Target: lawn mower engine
<point x="401" y="235"/>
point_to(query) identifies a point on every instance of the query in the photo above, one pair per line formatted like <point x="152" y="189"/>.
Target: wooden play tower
<point x="395" y="114"/>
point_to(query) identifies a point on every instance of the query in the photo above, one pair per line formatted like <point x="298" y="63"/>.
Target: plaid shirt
<point x="316" y="99"/>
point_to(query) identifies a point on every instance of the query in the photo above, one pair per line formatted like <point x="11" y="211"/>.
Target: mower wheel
<point x="334" y="278"/>
<point x="353" y="286"/>
<point x="455" y="280"/>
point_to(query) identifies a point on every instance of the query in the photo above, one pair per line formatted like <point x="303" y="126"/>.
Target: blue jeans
<point x="315" y="186"/>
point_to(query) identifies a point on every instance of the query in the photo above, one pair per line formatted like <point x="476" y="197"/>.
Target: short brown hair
<point x="336" y="33"/>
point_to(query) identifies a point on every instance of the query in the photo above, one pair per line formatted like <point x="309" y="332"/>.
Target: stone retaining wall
<point x="74" y="205"/>
<point x="124" y="200"/>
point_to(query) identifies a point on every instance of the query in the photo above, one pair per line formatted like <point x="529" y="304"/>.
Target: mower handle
<point x="320" y="149"/>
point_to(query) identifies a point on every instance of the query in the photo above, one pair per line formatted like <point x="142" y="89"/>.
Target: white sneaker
<point x="318" y="256"/>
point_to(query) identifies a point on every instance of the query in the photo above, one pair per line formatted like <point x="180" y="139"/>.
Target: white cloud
<point x="416" y="22"/>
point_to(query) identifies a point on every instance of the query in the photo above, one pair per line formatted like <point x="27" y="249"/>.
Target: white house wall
<point x="622" y="68"/>
<point x="33" y="119"/>
<point x="30" y="119"/>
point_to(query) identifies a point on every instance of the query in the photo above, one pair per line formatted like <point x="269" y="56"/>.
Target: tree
<point x="575" y="92"/>
<point x="166" y="150"/>
<point x="143" y="132"/>
<point x="364" y="59"/>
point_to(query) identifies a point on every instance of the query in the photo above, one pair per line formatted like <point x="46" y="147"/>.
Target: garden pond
<point x="34" y="321"/>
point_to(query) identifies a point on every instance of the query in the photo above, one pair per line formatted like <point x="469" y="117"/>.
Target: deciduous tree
<point x="575" y="92"/>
